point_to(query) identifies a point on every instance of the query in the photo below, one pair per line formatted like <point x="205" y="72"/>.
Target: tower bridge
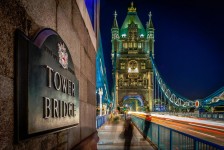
<point x="176" y="122"/>
<point x="135" y="73"/>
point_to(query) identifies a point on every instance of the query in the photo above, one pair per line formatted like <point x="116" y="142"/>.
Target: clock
<point x="115" y="36"/>
<point x="133" y="64"/>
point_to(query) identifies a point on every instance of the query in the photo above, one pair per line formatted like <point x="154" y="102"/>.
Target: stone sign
<point x="47" y="87"/>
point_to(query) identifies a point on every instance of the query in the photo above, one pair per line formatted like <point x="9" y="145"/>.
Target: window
<point x="130" y="45"/>
<point x="90" y="8"/>
<point x="120" y="82"/>
<point x="139" y="45"/>
<point x="142" y="65"/>
<point x="124" y="45"/>
<point x="135" y="45"/>
<point x="122" y="65"/>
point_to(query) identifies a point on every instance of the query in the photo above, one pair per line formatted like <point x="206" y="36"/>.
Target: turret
<point x="115" y="29"/>
<point x="115" y="48"/>
<point x="150" y="34"/>
<point x="115" y="39"/>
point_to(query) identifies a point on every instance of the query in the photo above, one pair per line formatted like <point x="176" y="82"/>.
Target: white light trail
<point x="191" y="120"/>
<point x="202" y="133"/>
<point x="206" y="127"/>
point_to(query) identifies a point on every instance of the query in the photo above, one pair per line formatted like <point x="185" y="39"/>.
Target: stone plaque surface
<point x="47" y="87"/>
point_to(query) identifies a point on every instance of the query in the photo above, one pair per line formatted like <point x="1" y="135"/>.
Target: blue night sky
<point x="189" y="43"/>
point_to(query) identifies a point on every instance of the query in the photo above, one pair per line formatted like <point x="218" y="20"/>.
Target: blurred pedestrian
<point x="125" y="115"/>
<point x="147" y="125"/>
<point x="128" y="133"/>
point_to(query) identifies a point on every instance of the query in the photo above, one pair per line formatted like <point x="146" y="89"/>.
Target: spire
<point x="150" y="25"/>
<point x="115" y="25"/>
<point x="132" y="8"/>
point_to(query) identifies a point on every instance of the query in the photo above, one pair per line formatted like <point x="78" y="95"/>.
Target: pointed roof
<point x="115" y="24"/>
<point x="132" y="17"/>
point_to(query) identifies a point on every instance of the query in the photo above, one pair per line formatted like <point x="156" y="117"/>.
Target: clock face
<point x="147" y="35"/>
<point x="133" y="64"/>
<point x="115" y="36"/>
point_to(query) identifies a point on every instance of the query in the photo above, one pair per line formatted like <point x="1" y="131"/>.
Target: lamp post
<point x="101" y="94"/>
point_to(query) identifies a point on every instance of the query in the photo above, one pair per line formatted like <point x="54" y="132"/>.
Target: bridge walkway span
<point x="110" y="139"/>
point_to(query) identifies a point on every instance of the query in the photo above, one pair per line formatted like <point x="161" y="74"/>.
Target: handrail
<point x="100" y="120"/>
<point x="169" y="139"/>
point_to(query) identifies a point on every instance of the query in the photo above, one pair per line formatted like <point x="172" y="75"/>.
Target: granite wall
<point x="66" y="18"/>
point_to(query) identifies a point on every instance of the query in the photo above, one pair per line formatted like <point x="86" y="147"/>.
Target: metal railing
<point x="100" y="120"/>
<point x="169" y="139"/>
<point x="214" y="115"/>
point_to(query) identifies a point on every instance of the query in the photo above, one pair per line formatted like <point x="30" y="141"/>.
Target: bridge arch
<point x="137" y="97"/>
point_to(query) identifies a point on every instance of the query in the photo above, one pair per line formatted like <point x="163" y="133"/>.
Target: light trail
<point x="206" y="127"/>
<point x="202" y="133"/>
<point x="206" y="122"/>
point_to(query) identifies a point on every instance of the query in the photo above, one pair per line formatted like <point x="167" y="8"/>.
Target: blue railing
<point x="214" y="115"/>
<point x="169" y="139"/>
<point x="100" y="120"/>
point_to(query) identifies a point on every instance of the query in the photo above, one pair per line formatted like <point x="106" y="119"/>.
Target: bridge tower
<point x="132" y="45"/>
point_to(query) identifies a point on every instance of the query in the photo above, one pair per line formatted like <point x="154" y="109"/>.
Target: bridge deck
<point x="110" y="139"/>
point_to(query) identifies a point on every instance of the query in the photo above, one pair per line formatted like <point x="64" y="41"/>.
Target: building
<point x="132" y="45"/>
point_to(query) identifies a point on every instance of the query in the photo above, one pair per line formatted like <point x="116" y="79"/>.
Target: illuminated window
<point x="139" y="45"/>
<point x="124" y="45"/>
<point x="130" y="45"/>
<point x="122" y="65"/>
<point x="142" y="65"/>
<point x="120" y="82"/>
<point x="135" y="45"/>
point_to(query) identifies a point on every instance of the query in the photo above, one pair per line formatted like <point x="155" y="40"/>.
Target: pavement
<point x="109" y="138"/>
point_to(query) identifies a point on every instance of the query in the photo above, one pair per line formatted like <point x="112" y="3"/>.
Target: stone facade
<point x="66" y="18"/>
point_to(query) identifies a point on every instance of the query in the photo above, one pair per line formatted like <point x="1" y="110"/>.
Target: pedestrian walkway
<point x="109" y="138"/>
